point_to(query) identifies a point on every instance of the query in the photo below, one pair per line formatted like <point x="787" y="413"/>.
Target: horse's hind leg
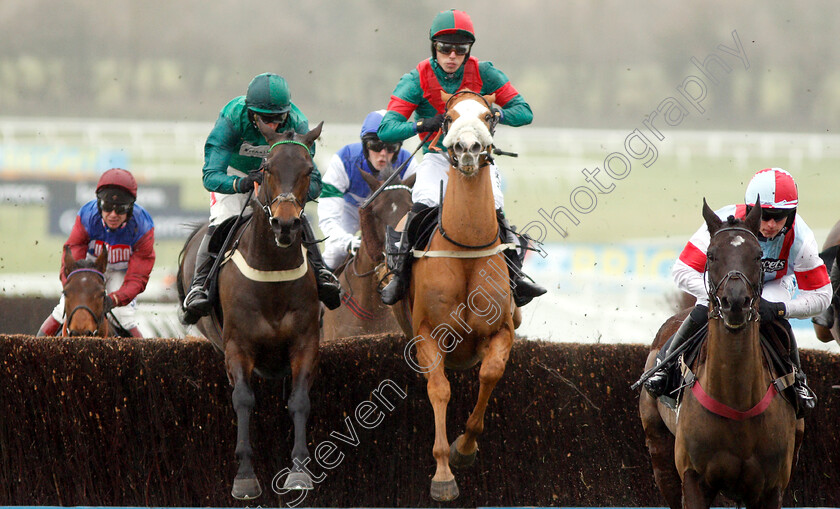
<point x="660" y="443"/>
<point x="303" y="362"/>
<point x="464" y="448"/>
<point x="239" y="369"/>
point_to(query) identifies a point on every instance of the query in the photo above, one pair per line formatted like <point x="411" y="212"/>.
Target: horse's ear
<point x="410" y="180"/>
<point x="444" y="96"/>
<point x="753" y="219"/>
<point x="713" y="222"/>
<point x="310" y="137"/>
<point x="102" y="260"/>
<point x="490" y="98"/>
<point x="371" y="181"/>
<point x="268" y="133"/>
<point x="69" y="261"/>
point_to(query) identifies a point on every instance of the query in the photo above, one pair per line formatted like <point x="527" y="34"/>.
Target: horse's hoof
<point x="458" y="460"/>
<point x="298" y="481"/>
<point x="444" y="491"/>
<point x="246" y="488"/>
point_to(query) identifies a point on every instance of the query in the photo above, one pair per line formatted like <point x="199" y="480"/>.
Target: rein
<point x="459" y="244"/>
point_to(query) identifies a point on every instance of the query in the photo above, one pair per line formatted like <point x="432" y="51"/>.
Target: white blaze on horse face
<point x="737" y="241"/>
<point x="468" y="135"/>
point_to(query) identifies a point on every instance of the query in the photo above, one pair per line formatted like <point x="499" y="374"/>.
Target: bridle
<point x="282" y="197"/>
<point x="352" y="263"/>
<point x="98" y="319"/>
<point x="486" y="156"/>
<point x="755" y="288"/>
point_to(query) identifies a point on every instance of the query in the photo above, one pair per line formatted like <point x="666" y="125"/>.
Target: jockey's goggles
<point x="273" y="118"/>
<point x="447" y="48"/>
<point x="775" y="214"/>
<point x="119" y="208"/>
<point x="379" y="145"/>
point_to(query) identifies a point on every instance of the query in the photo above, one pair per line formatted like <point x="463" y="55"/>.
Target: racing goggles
<point x="379" y="145"/>
<point x="775" y="214"/>
<point x="119" y="208"/>
<point x="274" y="118"/>
<point x="448" y="47"/>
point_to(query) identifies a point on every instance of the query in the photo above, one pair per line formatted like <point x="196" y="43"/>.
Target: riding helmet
<point x="776" y="189"/>
<point x="268" y="93"/>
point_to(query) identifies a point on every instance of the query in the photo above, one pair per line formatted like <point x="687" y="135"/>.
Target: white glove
<point x="353" y="245"/>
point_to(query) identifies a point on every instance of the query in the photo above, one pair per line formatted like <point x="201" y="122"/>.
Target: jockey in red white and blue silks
<point x="344" y="189"/>
<point x="131" y="252"/>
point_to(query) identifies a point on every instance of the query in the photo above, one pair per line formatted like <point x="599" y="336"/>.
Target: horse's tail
<point x="179" y="282"/>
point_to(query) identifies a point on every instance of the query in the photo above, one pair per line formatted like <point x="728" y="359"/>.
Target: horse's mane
<point x="366" y="221"/>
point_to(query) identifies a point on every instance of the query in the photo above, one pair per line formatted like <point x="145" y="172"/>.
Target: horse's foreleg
<point x="464" y="448"/>
<point x="302" y="361"/>
<point x="696" y="494"/>
<point x="444" y="487"/>
<point x="239" y="369"/>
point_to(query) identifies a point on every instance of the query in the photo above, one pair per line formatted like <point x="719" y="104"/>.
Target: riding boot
<point x="660" y="382"/>
<point x="807" y="398"/>
<point x="826" y="318"/>
<point x="398" y="258"/>
<point x="524" y="288"/>
<point x="329" y="289"/>
<point x="49" y="327"/>
<point x="197" y="302"/>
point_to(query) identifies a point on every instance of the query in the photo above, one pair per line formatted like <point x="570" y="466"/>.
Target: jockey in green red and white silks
<point x="224" y="165"/>
<point x="418" y="93"/>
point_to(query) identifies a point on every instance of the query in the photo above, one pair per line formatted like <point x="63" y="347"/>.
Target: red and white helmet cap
<point x="776" y="188"/>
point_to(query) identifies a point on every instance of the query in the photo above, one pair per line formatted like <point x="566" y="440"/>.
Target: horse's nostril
<point x="475" y="148"/>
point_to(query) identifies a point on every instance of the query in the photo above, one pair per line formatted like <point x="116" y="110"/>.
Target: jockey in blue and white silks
<point x="344" y="188"/>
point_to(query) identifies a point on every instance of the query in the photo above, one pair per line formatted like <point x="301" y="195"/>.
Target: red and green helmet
<point x="268" y="93"/>
<point x="452" y="26"/>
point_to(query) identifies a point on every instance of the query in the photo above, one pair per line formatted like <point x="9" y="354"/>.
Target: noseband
<point x="713" y="288"/>
<point x="96" y="318"/>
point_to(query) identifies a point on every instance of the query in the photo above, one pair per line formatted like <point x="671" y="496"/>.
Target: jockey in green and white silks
<point x="230" y="176"/>
<point x="450" y="68"/>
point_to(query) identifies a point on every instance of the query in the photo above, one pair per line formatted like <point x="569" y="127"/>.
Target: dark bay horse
<point x="732" y="434"/>
<point x="268" y="301"/>
<point x="831" y="241"/>
<point x="362" y="311"/>
<point x="84" y="296"/>
<point x="459" y="308"/>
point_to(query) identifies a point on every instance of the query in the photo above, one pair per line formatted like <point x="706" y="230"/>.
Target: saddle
<point x="775" y="339"/>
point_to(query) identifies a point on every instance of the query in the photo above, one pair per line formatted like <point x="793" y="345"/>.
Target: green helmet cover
<point x="268" y="93"/>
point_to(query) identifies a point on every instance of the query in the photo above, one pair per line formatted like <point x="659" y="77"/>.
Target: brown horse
<point x="268" y="301"/>
<point x="84" y="296"/>
<point x="363" y="311"/>
<point x="459" y="308"/>
<point x="732" y="434"/>
<point x="833" y="239"/>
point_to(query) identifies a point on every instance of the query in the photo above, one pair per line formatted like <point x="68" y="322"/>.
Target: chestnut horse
<point x="362" y="311"/>
<point x="732" y="433"/>
<point x="268" y="301"/>
<point x="832" y="240"/>
<point x="459" y="308"/>
<point x="84" y="296"/>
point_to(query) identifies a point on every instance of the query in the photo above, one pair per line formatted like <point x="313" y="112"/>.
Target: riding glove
<point x="431" y="124"/>
<point x="353" y="245"/>
<point x="498" y="112"/>
<point x="110" y="303"/>
<point x="770" y="310"/>
<point x="245" y="184"/>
